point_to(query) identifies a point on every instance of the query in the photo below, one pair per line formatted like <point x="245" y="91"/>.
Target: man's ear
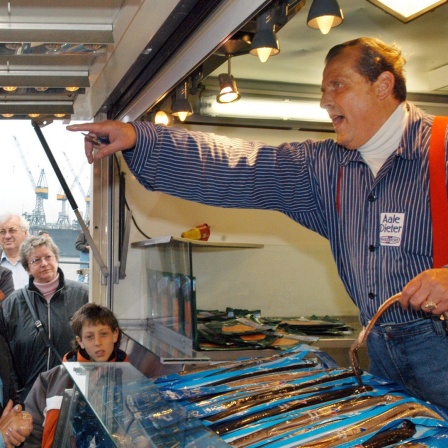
<point x="385" y="85"/>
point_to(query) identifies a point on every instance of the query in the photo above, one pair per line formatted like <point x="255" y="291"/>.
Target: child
<point x="97" y="340"/>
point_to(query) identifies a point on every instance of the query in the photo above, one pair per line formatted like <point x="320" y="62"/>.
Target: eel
<point x="316" y="414"/>
<point x="231" y="425"/>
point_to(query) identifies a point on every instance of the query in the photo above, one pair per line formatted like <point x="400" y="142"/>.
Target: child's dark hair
<point x="94" y="314"/>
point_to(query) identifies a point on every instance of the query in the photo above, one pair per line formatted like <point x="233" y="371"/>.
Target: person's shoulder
<point x="418" y="118"/>
<point x="75" y="285"/>
<point x="321" y="150"/>
<point x="14" y="299"/>
<point x="6" y="281"/>
<point x="5" y="271"/>
<point x="14" y="307"/>
<point x="49" y="375"/>
<point x="55" y="379"/>
<point x="317" y="144"/>
<point x="76" y="294"/>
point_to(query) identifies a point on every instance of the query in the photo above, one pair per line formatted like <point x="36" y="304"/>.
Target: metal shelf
<point x="197" y="243"/>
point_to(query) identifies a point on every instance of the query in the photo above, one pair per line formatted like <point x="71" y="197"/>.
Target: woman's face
<point x="42" y="264"/>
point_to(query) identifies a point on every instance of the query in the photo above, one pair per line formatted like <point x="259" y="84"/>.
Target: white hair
<point x="8" y="216"/>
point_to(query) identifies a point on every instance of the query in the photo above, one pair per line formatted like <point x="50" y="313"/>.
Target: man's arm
<point x="121" y="136"/>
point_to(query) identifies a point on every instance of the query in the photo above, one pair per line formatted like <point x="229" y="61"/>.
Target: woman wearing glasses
<point x="35" y="319"/>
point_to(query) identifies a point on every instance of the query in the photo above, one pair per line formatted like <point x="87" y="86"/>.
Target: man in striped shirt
<point x="368" y="193"/>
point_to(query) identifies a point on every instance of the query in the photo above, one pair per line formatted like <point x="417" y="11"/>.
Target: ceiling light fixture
<point x="408" y="10"/>
<point x="34" y="115"/>
<point x="228" y="90"/>
<point x="9" y="88"/>
<point x="265" y="42"/>
<point x="53" y="47"/>
<point x="59" y="115"/>
<point x="72" y="89"/>
<point x="267" y="108"/>
<point x="93" y="47"/>
<point x="181" y="107"/>
<point x="163" y="118"/>
<point x="324" y="15"/>
<point x="7" y="115"/>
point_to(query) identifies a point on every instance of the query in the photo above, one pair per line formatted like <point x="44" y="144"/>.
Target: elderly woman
<point x="53" y="300"/>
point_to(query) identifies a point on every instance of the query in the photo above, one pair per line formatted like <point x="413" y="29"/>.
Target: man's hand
<point x="15" y="425"/>
<point x="120" y="136"/>
<point x="428" y="291"/>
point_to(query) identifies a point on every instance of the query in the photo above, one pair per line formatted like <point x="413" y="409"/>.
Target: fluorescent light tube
<point x="265" y="108"/>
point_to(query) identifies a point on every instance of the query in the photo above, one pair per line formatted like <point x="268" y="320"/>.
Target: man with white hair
<point x="13" y="231"/>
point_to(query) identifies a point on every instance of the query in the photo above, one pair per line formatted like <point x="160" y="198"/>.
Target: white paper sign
<point x="391" y="229"/>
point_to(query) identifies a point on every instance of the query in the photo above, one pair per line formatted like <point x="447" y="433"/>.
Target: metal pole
<point x="71" y="199"/>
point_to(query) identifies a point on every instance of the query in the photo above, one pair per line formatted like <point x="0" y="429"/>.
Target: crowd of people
<point x="41" y="314"/>
<point x="53" y="300"/>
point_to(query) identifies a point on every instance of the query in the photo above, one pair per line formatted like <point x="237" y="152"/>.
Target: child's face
<point x="98" y="341"/>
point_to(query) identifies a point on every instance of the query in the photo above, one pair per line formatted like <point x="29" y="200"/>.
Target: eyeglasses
<point x="11" y="231"/>
<point x="38" y="261"/>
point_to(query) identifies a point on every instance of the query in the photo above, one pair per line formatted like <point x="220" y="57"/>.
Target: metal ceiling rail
<point x="44" y="78"/>
<point x="40" y="107"/>
<point x="59" y="34"/>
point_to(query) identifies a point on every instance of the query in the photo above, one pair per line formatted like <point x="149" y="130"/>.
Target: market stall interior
<point x="137" y="59"/>
<point x="85" y="58"/>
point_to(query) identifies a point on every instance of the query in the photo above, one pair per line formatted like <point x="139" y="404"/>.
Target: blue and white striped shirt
<point x="301" y="180"/>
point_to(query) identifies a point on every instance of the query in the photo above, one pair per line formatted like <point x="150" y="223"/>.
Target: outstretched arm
<point x="119" y="136"/>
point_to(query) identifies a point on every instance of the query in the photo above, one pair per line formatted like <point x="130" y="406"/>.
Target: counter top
<point x="336" y="346"/>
